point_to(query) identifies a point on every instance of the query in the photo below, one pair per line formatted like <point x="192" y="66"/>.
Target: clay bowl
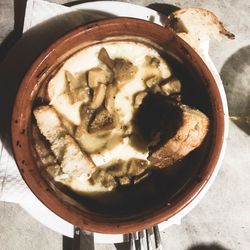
<point x="172" y="191"/>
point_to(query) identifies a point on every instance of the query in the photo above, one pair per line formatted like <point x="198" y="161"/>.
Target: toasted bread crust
<point x="64" y="147"/>
<point x="199" y="21"/>
<point x="188" y="137"/>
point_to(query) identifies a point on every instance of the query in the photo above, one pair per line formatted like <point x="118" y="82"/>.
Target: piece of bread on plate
<point x="196" y="26"/>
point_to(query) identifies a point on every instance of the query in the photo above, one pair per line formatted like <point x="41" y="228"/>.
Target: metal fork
<point x="143" y="240"/>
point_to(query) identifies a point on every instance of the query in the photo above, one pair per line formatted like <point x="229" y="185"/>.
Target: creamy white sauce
<point x="86" y="59"/>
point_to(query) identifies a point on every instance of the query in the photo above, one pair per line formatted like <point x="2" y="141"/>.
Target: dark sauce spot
<point x="23" y="131"/>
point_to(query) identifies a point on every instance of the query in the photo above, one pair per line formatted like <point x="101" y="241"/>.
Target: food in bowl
<point x="111" y="115"/>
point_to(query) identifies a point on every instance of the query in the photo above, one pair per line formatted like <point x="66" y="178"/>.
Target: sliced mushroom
<point x="123" y="69"/>
<point x="104" y="57"/>
<point x="110" y="98"/>
<point x="137" y="167"/>
<point x="152" y="80"/>
<point x="89" y="143"/>
<point x="172" y="86"/>
<point x="124" y="180"/>
<point x="70" y="127"/>
<point x="118" y="169"/>
<point x="53" y="170"/>
<point x="152" y="61"/>
<point x="72" y="81"/>
<point x="98" y="96"/>
<point x="139" y="98"/>
<point x="152" y="72"/>
<point x="103" y="121"/>
<point x="76" y="88"/>
<point x="97" y="76"/>
<point x="103" y="177"/>
<point x="156" y="89"/>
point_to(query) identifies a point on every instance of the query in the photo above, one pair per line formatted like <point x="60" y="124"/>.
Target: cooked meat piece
<point x="188" y="137"/>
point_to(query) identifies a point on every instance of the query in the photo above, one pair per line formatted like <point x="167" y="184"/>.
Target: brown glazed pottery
<point x="167" y="195"/>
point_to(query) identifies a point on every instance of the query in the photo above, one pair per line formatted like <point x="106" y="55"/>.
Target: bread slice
<point x="197" y="26"/>
<point x="72" y="160"/>
<point x="189" y="136"/>
<point x="197" y="22"/>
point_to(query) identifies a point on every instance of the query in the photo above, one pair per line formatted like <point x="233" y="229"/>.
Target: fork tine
<point x="132" y="239"/>
<point x="149" y="232"/>
<point x="141" y="235"/>
<point x="157" y="235"/>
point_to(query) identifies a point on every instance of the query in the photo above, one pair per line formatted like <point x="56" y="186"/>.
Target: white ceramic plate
<point x="48" y="218"/>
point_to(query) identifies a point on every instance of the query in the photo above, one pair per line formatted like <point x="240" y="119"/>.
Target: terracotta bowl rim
<point x="161" y="214"/>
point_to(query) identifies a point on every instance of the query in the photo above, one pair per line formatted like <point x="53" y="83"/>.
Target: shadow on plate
<point x="76" y="2"/>
<point x="235" y="76"/>
<point x="68" y="244"/>
<point x="213" y="246"/>
<point x="163" y="8"/>
<point x="10" y="40"/>
<point x="122" y="246"/>
<point x="25" y="51"/>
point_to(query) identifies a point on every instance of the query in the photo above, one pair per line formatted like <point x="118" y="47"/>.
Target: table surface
<point x="222" y="219"/>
